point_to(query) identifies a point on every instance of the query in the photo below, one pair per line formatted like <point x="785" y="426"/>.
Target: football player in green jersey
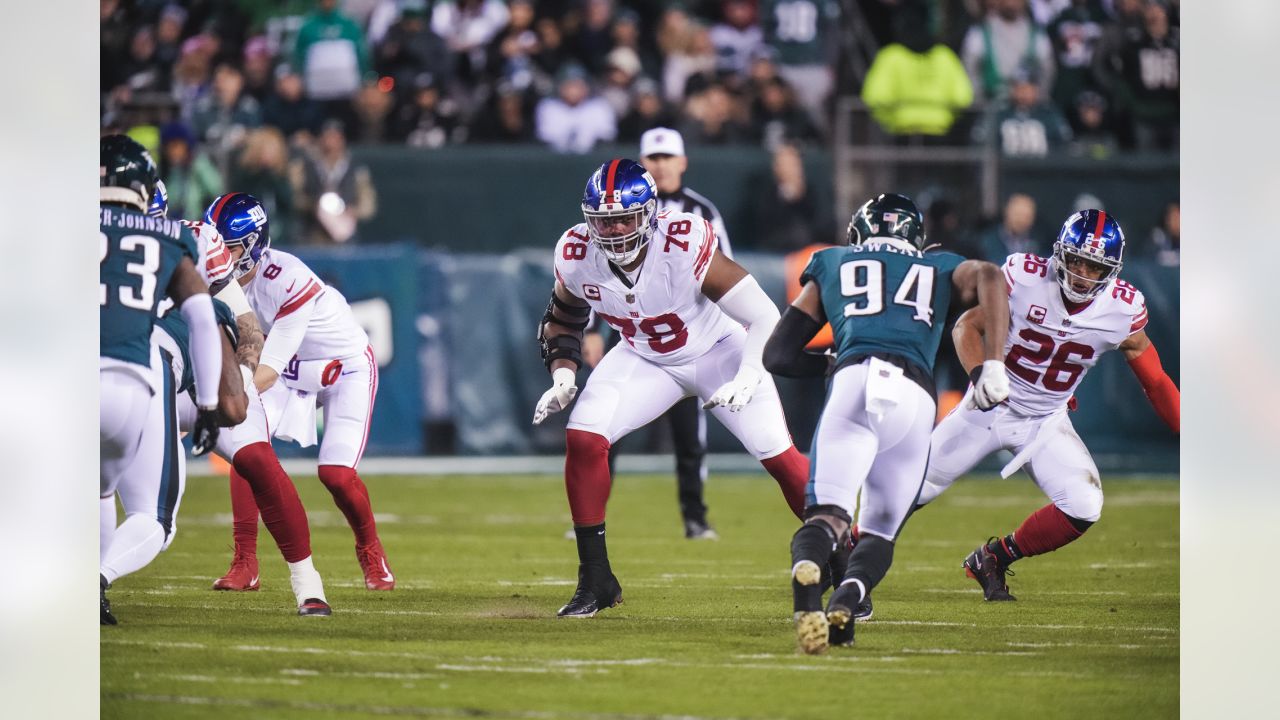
<point x="142" y="261"/>
<point x="886" y="297"/>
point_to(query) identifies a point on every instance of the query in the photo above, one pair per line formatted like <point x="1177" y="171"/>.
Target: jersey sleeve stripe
<point x="704" y="253"/>
<point x="300" y="299"/>
<point x="1008" y="279"/>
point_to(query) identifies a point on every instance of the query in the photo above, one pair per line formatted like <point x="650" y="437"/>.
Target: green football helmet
<point x="887" y="215"/>
<point x="127" y="174"/>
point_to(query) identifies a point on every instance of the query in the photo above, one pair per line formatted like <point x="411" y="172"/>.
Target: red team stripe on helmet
<point x="608" y="182"/>
<point x="704" y="253"/>
<point x="221" y="203"/>
<point x="1102" y="220"/>
<point x="306" y="293"/>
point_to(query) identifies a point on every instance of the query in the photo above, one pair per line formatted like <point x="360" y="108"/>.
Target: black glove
<point x="205" y="433"/>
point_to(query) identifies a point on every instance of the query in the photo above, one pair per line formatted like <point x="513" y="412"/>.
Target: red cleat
<point x="377" y="574"/>
<point x="242" y="576"/>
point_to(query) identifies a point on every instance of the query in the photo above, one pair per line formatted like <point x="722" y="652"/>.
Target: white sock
<point x="862" y="588"/>
<point x="106" y="525"/>
<point x="135" y="544"/>
<point x="305" y="580"/>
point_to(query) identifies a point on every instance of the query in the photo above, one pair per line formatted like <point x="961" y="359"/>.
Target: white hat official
<point x="661" y="141"/>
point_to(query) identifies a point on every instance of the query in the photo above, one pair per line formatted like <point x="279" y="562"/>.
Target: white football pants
<point x="1058" y="462"/>
<point x="887" y="451"/>
<point x="627" y="391"/>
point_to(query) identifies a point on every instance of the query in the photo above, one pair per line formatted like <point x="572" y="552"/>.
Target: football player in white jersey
<point x="315" y="353"/>
<point x="681" y="309"/>
<point x="1066" y="311"/>
<point x="254" y="465"/>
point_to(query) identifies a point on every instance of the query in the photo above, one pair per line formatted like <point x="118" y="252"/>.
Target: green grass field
<point x="482" y="565"/>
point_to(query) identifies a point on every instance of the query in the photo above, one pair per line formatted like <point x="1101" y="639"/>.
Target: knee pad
<point x="1083" y="507"/>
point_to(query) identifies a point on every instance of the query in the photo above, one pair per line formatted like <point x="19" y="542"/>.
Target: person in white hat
<point x="662" y="154"/>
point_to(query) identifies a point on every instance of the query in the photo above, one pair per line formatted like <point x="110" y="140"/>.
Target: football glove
<point x="204" y="435"/>
<point x="563" y="388"/>
<point x="736" y="393"/>
<point x="990" y="384"/>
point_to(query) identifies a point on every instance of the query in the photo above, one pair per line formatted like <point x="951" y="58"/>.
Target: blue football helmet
<point x="620" y="204"/>
<point x="242" y="221"/>
<point x="1096" y="238"/>
<point x="159" y="201"/>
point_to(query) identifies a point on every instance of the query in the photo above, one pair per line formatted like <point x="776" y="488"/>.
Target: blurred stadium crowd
<point x="265" y="95"/>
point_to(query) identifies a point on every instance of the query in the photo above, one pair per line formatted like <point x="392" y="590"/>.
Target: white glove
<point x="992" y="385"/>
<point x="563" y="387"/>
<point x="736" y="393"/>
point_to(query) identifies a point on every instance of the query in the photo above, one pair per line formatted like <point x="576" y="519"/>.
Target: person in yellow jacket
<point x="916" y="86"/>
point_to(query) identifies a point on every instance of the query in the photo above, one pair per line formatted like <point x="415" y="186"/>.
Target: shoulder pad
<point x="1025" y="269"/>
<point x="571" y="250"/>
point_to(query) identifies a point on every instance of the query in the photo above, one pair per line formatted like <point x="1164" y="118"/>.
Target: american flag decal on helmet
<point x="890" y="217"/>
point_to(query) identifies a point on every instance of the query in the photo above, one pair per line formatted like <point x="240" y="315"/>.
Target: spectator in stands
<point x="169" y="35"/>
<point x="694" y="57"/>
<point x="1095" y="137"/>
<point x="594" y="37"/>
<point x="468" y="26"/>
<point x="1166" y="238"/>
<point x="430" y="120"/>
<point x="511" y="53"/>
<point x="331" y="192"/>
<point x="736" y="36"/>
<point x="626" y="34"/>
<point x="259" y="69"/>
<point x="622" y="68"/>
<point x="190" y="177"/>
<point x="786" y="215"/>
<point x="574" y="120"/>
<point x="1013" y="235"/>
<point x="552" y="55"/>
<point x="222" y="118"/>
<point x="140" y="70"/>
<point x="916" y="85"/>
<point x="1025" y="125"/>
<point x="331" y="54"/>
<point x="804" y="33"/>
<point x="114" y="34"/>
<point x="776" y="119"/>
<point x="262" y="170"/>
<point x="411" y="48"/>
<point x="1143" y="77"/>
<point x="710" y="118"/>
<point x="288" y="108"/>
<point x="372" y="108"/>
<point x="1075" y="33"/>
<point x="944" y="223"/>
<point x="191" y="74"/>
<point x="1006" y="39"/>
<point x="647" y="111"/>
<point x="505" y="119"/>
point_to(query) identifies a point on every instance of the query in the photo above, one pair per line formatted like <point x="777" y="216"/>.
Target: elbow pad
<point x="567" y="346"/>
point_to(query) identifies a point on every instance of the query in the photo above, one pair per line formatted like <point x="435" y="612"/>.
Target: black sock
<point x="813" y="541"/>
<point x="1005" y="549"/>
<point x="591" y="547"/>
<point x="870" y="561"/>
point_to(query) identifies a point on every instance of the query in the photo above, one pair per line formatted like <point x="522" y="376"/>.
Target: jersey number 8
<point x="863" y="280"/>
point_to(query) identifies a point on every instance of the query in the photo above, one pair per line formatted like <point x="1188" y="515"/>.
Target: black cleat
<point x="982" y="566"/>
<point x="315" y="607"/>
<point x="107" y="617"/>
<point x="810" y="621"/>
<point x="699" y="530"/>
<point x="595" y="592"/>
<point x="842" y="610"/>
